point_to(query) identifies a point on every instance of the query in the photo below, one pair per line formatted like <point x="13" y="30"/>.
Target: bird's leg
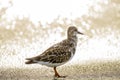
<point x="56" y="73"/>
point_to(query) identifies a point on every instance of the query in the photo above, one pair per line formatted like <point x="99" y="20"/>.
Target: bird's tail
<point x="30" y="61"/>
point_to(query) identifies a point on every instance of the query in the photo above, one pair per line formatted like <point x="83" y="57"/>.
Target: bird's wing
<point x="54" y="54"/>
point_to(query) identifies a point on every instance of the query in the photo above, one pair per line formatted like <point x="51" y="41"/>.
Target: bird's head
<point x="73" y="31"/>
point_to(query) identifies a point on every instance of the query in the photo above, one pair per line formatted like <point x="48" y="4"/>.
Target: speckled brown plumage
<point x="59" y="53"/>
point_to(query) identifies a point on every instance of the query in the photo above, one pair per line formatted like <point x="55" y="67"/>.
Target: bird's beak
<point x="80" y="33"/>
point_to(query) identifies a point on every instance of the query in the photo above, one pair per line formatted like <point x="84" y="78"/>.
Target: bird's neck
<point x="73" y="40"/>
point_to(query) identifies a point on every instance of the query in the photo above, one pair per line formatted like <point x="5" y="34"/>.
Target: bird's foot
<point x="58" y="76"/>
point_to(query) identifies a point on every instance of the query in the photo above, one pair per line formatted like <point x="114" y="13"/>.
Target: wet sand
<point x="93" y="71"/>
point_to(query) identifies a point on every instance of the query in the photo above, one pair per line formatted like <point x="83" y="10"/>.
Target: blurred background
<point x="28" y="27"/>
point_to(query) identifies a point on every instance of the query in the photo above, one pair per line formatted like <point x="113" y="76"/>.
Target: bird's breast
<point x="72" y="51"/>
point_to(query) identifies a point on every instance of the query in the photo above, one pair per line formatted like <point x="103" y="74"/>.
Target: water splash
<point x="24" y="39"/>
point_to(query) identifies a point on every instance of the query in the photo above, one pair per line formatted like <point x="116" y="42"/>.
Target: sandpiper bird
<point x="59" y="53"/>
